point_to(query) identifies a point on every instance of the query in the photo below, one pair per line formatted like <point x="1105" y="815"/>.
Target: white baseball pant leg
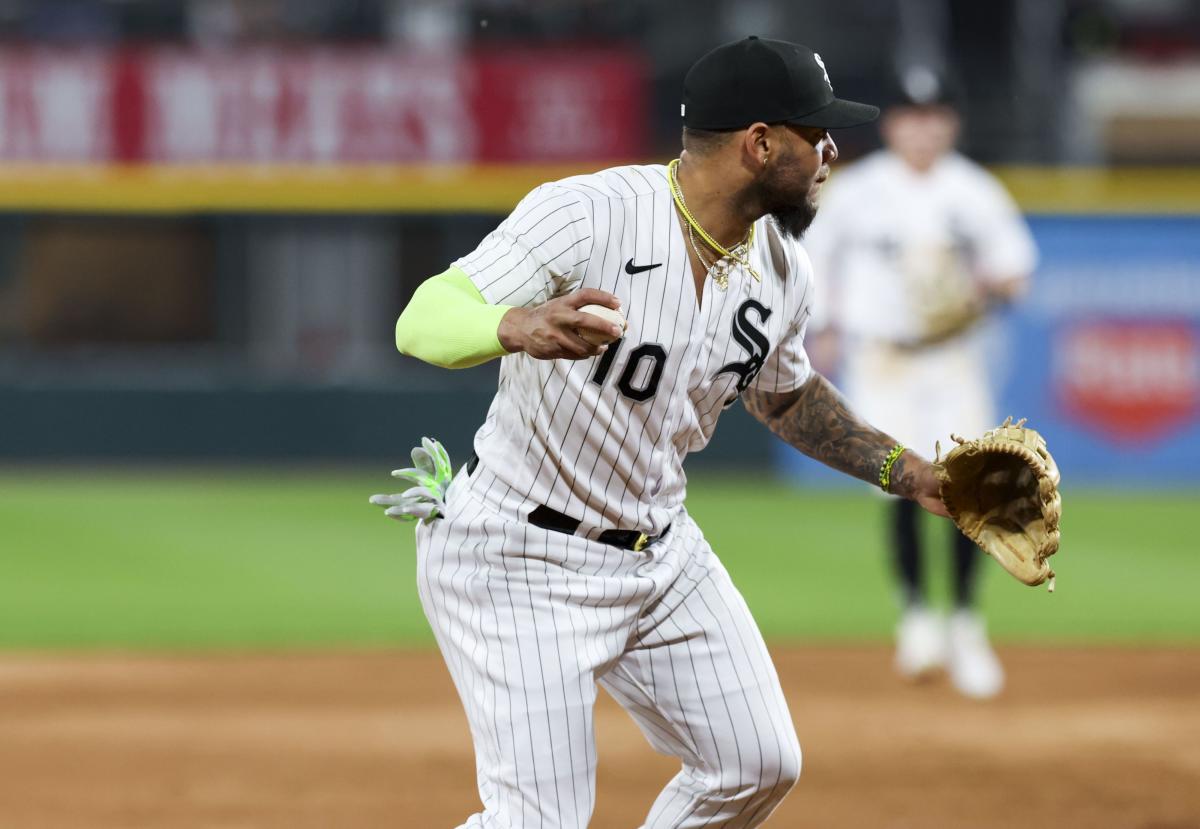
<point x="700" y="684"/>
<point x="528" y="621"/>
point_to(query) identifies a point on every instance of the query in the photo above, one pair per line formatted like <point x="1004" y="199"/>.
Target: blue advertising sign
<point x="1103" y="355"/>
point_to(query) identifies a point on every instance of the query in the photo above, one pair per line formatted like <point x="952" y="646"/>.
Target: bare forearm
<point x="818" y="421"/>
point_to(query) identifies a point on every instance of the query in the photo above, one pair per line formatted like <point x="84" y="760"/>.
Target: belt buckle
<point x="642" y="542"/>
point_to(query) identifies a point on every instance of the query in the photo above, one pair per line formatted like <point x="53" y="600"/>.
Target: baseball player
<point x="561" y="555"/>
<point x="914" y="246"/>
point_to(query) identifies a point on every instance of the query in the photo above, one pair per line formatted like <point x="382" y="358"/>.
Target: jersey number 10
<point x="655" y="353"/>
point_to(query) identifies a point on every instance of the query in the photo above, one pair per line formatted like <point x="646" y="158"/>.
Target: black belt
<point x="551" y="519"/>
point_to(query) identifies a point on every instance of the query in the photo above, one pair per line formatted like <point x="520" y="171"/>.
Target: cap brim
<point x="838" y="113"/>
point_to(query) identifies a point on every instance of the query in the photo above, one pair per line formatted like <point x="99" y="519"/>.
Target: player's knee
<point x="765" y="782"/>
<point x="785" y="772"/>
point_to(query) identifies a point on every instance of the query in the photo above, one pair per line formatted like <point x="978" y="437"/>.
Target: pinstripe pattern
<point x="529" y="620"/>
<point x="555" y="437"/>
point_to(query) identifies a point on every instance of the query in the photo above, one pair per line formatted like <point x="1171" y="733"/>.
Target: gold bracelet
<point x="885" y="471"/>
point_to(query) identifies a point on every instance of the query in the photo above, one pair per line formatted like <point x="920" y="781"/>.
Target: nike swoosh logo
<point x="631" y="268"/>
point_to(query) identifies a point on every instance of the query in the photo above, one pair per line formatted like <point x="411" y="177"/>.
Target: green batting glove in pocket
<point x="430" y="476"/>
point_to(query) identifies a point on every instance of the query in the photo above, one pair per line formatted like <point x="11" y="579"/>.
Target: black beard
<point x="792" y="216"/>
<point x="794" y="219"/>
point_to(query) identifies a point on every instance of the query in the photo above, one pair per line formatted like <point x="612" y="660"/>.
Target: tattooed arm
<point x="816" y="419"/>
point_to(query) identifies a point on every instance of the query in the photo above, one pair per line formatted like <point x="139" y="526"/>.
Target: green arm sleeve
<point x="449" y="324"/>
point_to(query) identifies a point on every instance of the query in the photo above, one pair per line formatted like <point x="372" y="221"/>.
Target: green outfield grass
<point x="275" y="559"/>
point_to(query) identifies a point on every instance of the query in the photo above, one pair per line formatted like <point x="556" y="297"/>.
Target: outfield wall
<point x="71" y="425"/>
<point x="1103" y="357"/>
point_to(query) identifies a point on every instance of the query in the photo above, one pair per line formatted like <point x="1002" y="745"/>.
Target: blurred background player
<point x="914" y="247"/>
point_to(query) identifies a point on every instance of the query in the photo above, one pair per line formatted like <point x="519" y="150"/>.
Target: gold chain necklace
<point x="720" y="274"/>
<point x="721" y="267"/>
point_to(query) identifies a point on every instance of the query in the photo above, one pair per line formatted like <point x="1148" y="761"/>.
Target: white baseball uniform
<point x="528" y="617"/>
<point x="884" y="237"/>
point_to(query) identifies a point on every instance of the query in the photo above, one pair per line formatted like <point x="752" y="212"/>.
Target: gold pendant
<point x="720" y="274"/>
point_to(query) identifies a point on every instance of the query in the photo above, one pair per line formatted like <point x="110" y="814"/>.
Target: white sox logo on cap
<point x="824" y="71"/>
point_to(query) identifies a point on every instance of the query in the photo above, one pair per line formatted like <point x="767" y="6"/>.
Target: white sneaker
<point x="920" y="643"/>
<point x="974" y="668"/>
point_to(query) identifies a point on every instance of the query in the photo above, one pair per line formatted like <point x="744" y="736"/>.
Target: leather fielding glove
<point x="1002" y="491"/>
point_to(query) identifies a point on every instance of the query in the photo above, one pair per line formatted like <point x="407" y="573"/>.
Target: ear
<point x="757" y="144"/>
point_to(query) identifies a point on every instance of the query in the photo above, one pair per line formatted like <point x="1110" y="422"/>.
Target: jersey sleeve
<point x="539" y="252"/>
<point x="787" y="367"/>
<point x="1004" y="246"/>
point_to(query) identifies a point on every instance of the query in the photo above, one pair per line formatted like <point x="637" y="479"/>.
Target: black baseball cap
<point x="757" y="79"/>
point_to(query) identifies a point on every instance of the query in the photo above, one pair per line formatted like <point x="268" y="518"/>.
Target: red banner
<point x="559" y="105"/>
<point x="1132" y="380"/>
<point x="57" y="105"/>
<point x="320" y="105"/>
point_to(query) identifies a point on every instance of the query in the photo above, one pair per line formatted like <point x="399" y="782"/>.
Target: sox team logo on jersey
<point x="752" y="340"/>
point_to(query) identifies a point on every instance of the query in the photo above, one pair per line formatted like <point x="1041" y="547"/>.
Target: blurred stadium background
<point x="214" y="210"/>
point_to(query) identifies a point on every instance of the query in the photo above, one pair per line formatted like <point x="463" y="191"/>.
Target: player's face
<point x="920" y="135"/>
<point x="792" y="185"/>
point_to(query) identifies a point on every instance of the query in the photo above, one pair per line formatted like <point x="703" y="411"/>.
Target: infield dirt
<point x="1080" y="738"/>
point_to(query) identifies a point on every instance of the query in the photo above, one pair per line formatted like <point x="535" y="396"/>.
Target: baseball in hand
<point x="604" y="312"/>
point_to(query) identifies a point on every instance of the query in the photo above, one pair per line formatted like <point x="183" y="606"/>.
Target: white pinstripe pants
<point x="529" y="620"/>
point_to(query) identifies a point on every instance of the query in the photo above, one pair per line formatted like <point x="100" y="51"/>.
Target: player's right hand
<point x="548" y="331"/>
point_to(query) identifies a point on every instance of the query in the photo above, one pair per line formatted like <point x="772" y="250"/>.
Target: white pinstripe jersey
<point x="603" y="439"/>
